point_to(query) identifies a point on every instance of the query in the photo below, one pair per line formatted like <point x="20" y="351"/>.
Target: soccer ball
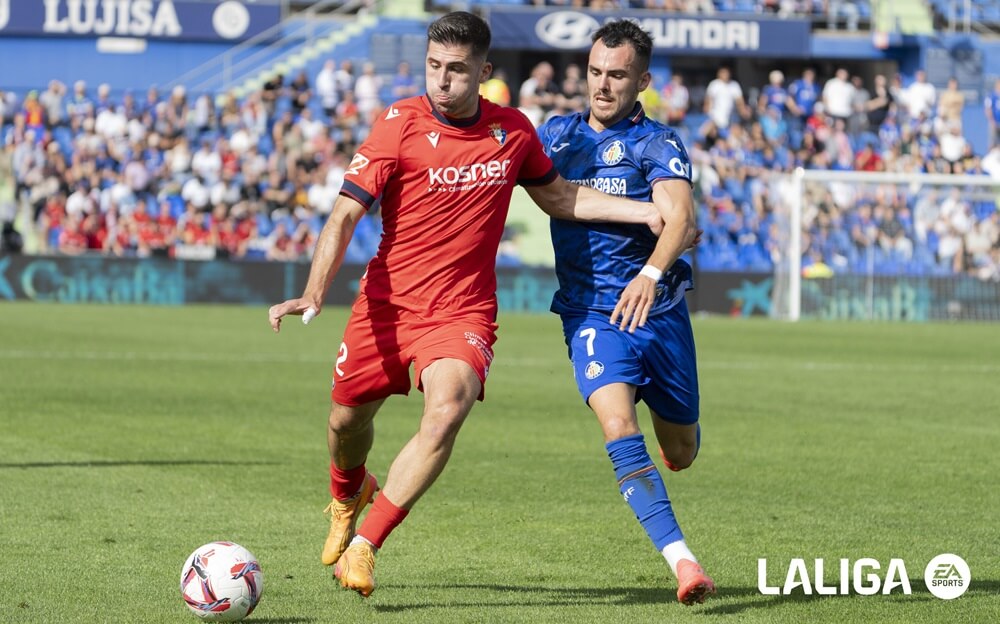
<point x="221" y="582"/>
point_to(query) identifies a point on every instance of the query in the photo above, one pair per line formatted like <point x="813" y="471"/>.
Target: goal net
<point x="884" y="246"/>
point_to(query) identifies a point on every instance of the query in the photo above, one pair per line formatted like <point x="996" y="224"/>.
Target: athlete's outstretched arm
<point x="675" y="202"/>
<point x="564" y="200"/>
<point x="327" y="258"/>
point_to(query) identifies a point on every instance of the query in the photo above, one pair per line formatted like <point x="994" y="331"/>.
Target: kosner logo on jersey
<point x="475" y="172"/>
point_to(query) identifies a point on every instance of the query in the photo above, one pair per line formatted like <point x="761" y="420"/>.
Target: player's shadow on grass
<point x="139" y="462"/>
<point x="538" y="595"/>
<point x="728" y="600"/>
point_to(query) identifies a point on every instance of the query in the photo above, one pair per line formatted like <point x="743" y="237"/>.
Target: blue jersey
<point x="992" y="103"/>
<point x="805" y="94"/>
<point x="775" y="97"/>
<point x="596" y="261"/>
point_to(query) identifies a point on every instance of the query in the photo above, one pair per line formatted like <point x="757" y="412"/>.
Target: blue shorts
<point x="658" y="359"/>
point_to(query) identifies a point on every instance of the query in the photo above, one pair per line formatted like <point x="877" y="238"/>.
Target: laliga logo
<point x="947" y="576"/>
<point x="863" y="577"/>
<point x="566" y="29"/>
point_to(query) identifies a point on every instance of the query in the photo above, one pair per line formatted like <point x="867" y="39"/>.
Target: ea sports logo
<point x="568" y="30"/>
<point x="947" y="576"/>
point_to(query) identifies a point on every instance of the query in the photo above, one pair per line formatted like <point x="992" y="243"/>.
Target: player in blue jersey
<point x="621" y="289"/>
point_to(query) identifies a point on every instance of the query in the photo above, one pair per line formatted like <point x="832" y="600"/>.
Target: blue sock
<point x="642" y="487"/>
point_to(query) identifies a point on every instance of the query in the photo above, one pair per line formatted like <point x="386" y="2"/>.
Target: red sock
<point x="382" y="518"/>
<point x="346" y="483"/>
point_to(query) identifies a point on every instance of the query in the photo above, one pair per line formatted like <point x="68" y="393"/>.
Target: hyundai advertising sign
<point x="697" y="35"/>
<point x="145" y="19"/>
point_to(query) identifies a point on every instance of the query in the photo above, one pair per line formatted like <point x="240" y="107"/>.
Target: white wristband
<point x="651" y="272"/>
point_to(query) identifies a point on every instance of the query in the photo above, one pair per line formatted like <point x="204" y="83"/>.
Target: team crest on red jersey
<point x="498" y="134"/>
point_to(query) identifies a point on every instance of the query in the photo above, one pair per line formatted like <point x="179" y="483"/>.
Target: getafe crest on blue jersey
<point x="595" y="261"/>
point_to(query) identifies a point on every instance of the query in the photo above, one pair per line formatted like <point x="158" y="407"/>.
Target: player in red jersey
<point x="445" y="165"/>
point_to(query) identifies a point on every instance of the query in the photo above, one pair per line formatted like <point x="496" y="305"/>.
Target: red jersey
<point x="445" y="186"/>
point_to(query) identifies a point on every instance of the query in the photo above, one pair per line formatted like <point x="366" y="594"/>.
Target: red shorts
<point x="381" y="341"/>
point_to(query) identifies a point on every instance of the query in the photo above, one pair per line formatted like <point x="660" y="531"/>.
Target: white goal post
<point x="884" y="246"/>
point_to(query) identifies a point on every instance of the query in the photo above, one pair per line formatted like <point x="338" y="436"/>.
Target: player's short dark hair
<point x="619" y="32"/>
<point x="461" y="28"/>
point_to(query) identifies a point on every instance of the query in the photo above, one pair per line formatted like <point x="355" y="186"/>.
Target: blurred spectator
<point x="202" y="118"/>
<point x="537" y="95"/>
<point x="880" y="104"/>
<point x="991" y="162"/>
<point x="345" y="78"/>
<point x="860" y="97"/>
<point x="207" y="163"/>
<point x="79" y="105"/>
<point x="300" y="92"/>
<point x="992" y="105"/>
<point x="920" y="97"/>
<point x="273" y="88"/>
<point x="495" y="89"/>
<point x="953" y="144"/>
<point x="34" y="114"/>
<point x="176" y="112"/>
<point x="403" y="84"/>
<point x="103" y="100"/>
<point x="723" y="97"/>
<point x="366" y="90"/>
<point x="326" y="88"/>
<point x="774" y="95"/>
<point x="52" y="101"/>
<point x="950" y="104"/>
<point x="649" y="98"/>
<point x="676" y="100"/>
<point x="573" y="89"/>
<point x="838" y="96"/>
<point x="803" y="95"/>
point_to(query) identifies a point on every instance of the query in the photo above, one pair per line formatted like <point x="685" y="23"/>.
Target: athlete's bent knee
<point x="680" y="454"/>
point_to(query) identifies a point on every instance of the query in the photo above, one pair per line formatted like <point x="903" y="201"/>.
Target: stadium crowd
<point x="195" y="177"/>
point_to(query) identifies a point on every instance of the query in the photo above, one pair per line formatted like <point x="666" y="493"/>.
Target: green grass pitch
<point x="131" y="435"/>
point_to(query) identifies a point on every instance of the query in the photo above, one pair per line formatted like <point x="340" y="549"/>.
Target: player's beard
<point x="607" y="111"/>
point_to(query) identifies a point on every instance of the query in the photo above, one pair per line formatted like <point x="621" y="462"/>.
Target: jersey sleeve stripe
<point x="542" y="181"/>
<point x="358" y="194"/>
<point x="666" y="178"/>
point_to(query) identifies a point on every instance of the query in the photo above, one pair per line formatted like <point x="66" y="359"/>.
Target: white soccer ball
<point x="221" y="582"/>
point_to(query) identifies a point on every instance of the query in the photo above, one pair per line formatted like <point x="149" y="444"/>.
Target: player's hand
<point x="697" y="239"/>
<point x="634" y="304"/>
<point x="295" y="307"/>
